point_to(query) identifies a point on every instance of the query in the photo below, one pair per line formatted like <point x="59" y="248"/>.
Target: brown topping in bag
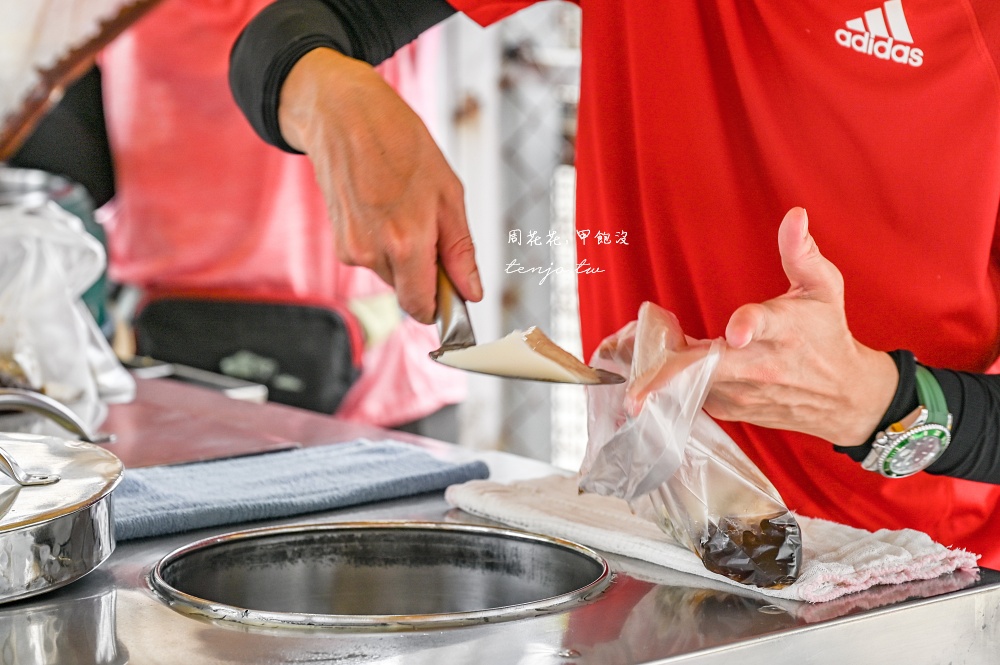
<point x="767" y="553"/>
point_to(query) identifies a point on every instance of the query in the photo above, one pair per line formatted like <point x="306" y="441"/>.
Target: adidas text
<point x="884" y="49"/>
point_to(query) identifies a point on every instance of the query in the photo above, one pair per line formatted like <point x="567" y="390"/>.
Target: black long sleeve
<point x="283" y="32"/>
<point x="974" y="402"/>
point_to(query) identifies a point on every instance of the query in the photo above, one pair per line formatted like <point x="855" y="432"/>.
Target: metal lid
<point x="86" y="473"/>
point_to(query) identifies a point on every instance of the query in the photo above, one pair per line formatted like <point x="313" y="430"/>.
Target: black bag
<point x="308" y="356"/>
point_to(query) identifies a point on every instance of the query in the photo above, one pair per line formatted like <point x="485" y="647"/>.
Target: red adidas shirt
<point x="701" y="123"/>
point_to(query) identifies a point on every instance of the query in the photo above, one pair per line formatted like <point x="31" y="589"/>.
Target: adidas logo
<point x="882" y="32"/>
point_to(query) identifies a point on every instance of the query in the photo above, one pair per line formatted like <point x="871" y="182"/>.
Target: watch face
<point x="916" y="450"/>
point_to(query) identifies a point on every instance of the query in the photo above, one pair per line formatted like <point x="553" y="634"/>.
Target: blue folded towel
<point x="160" y="500"/>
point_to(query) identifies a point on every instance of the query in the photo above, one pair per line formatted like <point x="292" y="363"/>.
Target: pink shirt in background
<point x="203" y="205"/>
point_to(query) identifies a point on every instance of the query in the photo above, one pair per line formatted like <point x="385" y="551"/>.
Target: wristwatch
<point x="913" y="443"/>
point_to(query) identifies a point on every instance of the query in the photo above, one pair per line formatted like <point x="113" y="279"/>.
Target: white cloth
<point x="837" y="559"/>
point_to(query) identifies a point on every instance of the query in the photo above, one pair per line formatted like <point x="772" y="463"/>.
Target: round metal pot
<point x="379" y="576"/>
<point x="55" y="512"/>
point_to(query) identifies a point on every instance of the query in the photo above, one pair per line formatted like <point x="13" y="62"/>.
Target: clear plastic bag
<point x="651" y="444"/>
<point x="49" y="340"/>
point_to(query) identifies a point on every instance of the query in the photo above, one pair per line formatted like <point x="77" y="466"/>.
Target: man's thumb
<point x="809" y="272"/>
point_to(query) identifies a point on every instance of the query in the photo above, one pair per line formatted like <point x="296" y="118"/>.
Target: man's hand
<point x="793" y="364"/>
<point x="395" y="204"/>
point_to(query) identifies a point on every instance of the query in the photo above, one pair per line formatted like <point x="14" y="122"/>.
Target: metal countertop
<point x="647" y="615"/>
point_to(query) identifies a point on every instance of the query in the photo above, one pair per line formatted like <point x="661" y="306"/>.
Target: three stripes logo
<point x="883" y="33"/>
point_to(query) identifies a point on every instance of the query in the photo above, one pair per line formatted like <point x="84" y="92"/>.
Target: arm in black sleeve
<point x="974" y="402"/>
<point x="283" y="32"/>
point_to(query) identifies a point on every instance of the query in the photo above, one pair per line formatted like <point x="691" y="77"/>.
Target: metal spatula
<point x="455" y="329"/>
<point x="452" y="317"/>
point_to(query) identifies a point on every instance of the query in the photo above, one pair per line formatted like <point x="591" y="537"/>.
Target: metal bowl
<point x="55" y="512"/>
<point x="378" y="575"/>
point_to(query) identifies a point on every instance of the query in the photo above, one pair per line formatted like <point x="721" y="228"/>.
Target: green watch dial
<point x="915" y="450"/>
<point x="913" y="444"/>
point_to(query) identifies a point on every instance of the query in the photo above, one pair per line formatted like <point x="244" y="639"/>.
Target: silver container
<point x="55" y="512"/>
<point x="28" y="186"/>
<point x="384" y="576"/>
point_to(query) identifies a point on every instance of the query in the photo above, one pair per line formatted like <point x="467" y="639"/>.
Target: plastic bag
<point x="651" y="444"/>
<point x="49" y="340"/>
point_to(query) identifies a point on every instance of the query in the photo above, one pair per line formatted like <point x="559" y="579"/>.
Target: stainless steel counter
<point x="647" y="615"/>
